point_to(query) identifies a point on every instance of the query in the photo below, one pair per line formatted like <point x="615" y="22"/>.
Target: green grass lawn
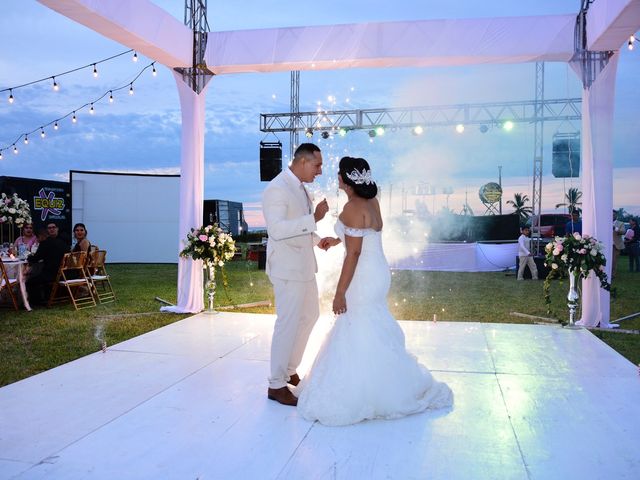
<point x="31" y="342"/>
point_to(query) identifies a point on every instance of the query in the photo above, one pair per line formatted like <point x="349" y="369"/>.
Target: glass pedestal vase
<point x="572" y="298"/>
<point x="209" y="289"/>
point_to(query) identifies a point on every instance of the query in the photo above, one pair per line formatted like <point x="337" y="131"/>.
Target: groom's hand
<point x="321" y="210"/>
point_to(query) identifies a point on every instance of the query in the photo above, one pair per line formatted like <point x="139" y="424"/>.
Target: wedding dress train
<point x="363" y="370"/>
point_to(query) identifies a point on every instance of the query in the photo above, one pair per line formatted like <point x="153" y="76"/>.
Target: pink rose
<point x="203" y="238"/>
<point x="559" y="247"/>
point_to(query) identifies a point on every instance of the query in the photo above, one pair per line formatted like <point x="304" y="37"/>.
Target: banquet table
<point x="17" y="268"/>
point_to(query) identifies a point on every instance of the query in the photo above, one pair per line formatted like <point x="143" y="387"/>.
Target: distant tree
<point x="572" y="200"/>
<point x="519" y="204"/>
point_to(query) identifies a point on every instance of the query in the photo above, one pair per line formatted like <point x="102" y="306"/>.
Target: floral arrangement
<point x="574" y="255"/>
<point x="210" y="244"/>
<point x="14" y="210"/>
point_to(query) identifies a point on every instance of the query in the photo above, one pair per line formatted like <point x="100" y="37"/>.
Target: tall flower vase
<point x="210" y="288"/>
<point x="572" y="297"/>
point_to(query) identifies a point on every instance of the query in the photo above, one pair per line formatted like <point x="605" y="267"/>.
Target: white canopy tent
<point x="143" y="26"/>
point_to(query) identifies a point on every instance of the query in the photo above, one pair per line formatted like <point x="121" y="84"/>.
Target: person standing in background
<point x="525" y="256"/>
<point x="618" y="243"/>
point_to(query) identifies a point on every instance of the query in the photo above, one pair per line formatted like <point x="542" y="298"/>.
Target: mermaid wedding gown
<point x="363" y="370"/>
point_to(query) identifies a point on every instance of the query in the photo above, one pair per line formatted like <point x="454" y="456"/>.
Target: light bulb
<point x="55" y="126"/>
<point x="154" y="72"/>
<point x="10" y="96"/>
<point x="1" y="159"/>
<point x="460" y="128"/>
<point x="26" y="139"/>
<point x="630" y="45"/>
<point x="135" y="57"/>
<point x="95" y="71"/>
<point x="91" y="110"/>
<point x="131" y="89"/>
<point x="42" y="134"/>
<point x="15" y="149"/>
<point x="56" y="87"/>
<point x="418" y="130"/>
<point x="110" y="96"/>
<point x="74" y="119"/>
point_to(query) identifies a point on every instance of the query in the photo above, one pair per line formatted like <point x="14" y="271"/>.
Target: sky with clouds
<point x="141" y="133"/>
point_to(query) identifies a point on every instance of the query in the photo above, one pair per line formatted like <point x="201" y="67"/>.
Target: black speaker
<point x="566" y="157"/>
<point x="270" y="160"/>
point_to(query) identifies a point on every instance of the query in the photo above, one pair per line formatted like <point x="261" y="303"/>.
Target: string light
<point x="154" y="72"/>
<point x="56" y="87"/>
<point x="53" y="77"/>
<point x="26" y="139"/>
<point x="73" y="115"/>
<point x="15" y="149"/>
<point x="0" y="154"/>
<point x="135" y="57"/>
<point x="630" y="43"/>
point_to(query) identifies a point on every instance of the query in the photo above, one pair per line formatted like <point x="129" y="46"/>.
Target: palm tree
<point x="519" y="204"/>
<point x="572" y="198"/>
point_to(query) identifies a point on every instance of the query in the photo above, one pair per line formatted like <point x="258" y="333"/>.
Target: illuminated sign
<point x="48" y="203"/>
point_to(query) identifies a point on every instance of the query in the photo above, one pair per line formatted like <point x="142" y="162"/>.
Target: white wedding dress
<point x="363" y="370"/>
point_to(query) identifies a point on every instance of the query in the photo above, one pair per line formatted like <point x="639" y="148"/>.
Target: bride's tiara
<point x="359" y="178"/>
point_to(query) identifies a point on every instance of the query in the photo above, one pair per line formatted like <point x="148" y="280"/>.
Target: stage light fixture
<point x="417" y="130"/>
<point x="379" y="131"/>
<point x="508" y="125"/>
<point x="460" y="128"/>
<point x="342" y="132"/>
<point x="484" y="129"/>
<point x="325" y="134"/>
<point x="308" y="132"/>
<point x="372" y="133"/>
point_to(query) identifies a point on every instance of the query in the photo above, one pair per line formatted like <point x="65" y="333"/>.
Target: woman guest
<point x="82" y="244"/>
<point x="28" y="238"/>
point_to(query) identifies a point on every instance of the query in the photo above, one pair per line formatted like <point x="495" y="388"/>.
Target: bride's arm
<point x="351" y="218"/>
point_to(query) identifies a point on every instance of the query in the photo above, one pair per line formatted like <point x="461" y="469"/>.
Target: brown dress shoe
<point x="282" y="395"/>
<point x="294" y="380"/>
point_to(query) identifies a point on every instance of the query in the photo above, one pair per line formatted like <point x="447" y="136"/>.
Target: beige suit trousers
<point x="297" y="311"/>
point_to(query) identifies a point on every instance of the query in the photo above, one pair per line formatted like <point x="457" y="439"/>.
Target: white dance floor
<point x="188" y="401"/>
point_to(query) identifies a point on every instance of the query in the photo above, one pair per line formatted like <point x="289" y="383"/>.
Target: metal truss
<point x="295" y="111"/>
<point x="195" y="17"/>
<point x="487" y="114"/>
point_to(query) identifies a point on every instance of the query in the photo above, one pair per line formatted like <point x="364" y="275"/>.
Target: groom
<point x="291" y="266"/>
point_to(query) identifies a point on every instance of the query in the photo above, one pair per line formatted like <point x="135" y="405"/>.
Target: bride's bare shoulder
<point x="353" y="215"/>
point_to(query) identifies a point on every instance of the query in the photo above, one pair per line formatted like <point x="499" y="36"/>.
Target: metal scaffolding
<point x="195" y="17"/>
<point x="482" y="114"/>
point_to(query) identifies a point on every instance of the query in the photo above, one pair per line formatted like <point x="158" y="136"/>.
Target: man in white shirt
<point x="291" y="266"/>
<point x="524" y="253"/>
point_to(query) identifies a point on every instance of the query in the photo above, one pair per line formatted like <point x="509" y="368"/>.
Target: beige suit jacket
<point x="291" y="230"/>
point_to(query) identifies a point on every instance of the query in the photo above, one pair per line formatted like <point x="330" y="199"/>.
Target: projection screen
<point x="134" y="217"/>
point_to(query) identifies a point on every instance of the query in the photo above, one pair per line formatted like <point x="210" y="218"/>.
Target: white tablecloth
<point x="16" y="268"/>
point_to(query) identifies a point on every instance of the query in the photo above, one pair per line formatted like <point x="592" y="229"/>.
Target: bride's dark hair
<point x="356" y="173"/>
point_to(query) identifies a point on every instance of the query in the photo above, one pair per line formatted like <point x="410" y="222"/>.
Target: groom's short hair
<point x="305" y="149"/>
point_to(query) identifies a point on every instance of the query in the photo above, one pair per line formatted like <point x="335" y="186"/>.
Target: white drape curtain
<point x="597" y="184"/>
<point x="192" y="105"/>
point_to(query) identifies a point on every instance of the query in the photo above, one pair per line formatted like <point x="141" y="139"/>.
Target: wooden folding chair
<point x="98" y="276"/>
<point x="7" y="284"/>
<point x="72" y="282"/>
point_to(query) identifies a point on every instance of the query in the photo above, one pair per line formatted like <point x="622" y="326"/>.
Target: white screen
<point x="133" y="217"/>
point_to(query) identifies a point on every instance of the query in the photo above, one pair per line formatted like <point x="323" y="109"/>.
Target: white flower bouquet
<point x="14" y="210"/>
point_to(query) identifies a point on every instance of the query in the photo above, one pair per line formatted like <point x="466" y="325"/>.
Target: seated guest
<point x="80" y="236"/>
<point x="49" y="254"/>
<point x="575" y="224"/>
<point x="28" y="238"/>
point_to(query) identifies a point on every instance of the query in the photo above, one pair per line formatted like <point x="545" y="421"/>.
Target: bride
<point x="363" y="370"/>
